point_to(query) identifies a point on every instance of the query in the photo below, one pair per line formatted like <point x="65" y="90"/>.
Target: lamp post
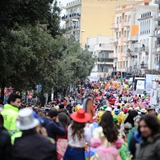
<point x="82" y="31"/>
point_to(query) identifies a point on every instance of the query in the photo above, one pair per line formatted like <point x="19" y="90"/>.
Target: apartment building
<point x="156" y="35"/>
<point x="126" y="35"/>
<point x="102" y="51"/>
<point x="86" y="18"/>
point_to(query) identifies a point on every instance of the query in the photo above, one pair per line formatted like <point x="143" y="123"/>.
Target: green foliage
<point x="30" y="55"/>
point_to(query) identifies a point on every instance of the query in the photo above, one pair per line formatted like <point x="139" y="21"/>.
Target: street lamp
<point x="82" y="31"/>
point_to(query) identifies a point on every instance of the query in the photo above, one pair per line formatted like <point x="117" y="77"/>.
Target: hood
<point x="46" y="121"/>
<point x="138" y="139"/>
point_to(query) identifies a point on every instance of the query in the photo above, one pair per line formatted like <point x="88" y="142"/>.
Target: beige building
<point x="127" y="47"/>
<point x="90" y="18"/>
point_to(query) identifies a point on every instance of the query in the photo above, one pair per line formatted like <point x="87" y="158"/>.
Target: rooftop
<point x="73" y="3"/>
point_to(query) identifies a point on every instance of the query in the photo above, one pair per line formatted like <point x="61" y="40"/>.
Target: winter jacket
<point x="5" y="144"/>
<point x="33" y="146"/>
<point x="10" y="114"/>
<point x="149" y="149"/>
<point x="54" y="129"/>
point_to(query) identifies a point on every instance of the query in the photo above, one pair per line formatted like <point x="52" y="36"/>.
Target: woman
<point x="78" y="134"/>
<point x="149" y="130"/>
<point x="62" y="140"/>
<point x="105" y="139"/>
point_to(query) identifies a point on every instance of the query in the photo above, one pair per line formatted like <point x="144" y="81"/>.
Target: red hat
<point x="125" y="110"/>
<point x="80" y="116"/>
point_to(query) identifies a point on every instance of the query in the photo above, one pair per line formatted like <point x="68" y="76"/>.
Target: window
<point x="119" y="33"/>
<point x="126" y="18"/>
<point x="116" y="49"/>
<point x="122" y="31"/>
<point x="124" y="64"/>
<point x="116" y="34"/>
<point x="123" y="16"/>
<point x="117" y="20"/>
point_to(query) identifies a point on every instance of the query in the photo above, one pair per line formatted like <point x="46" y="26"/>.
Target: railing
<point x="125" y="39"/>
<point x="141" y="66"/>
<point x="114" y="40"/>
<point x="114" y="26"/>
<point x="71" y="16"/>
<point x="126" y="24"/>
<point x="104" y="60"/>
<point x="140" y="49"/>
<point x="73" y="27"/>
<point x="74" y="3"/>
<point x="133" y="38"/>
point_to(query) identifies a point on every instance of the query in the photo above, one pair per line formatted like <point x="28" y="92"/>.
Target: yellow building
<point x="89" y="18"/>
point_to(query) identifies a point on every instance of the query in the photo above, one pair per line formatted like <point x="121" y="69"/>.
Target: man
<point x="53" y="126"/>
<point x="10" y="113"/>
<point x="31" y="145"/>
<point x="151" y="109"/>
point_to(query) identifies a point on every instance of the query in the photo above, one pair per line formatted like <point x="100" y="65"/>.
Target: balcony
<point x="73" y="4"/>
<point x="125" y="39"/>
<point x="114" y="41"/>
<point x="141" y="49"/>
<point x="114" y="26"/>
<point x="133" y="38"/>
<point x="157" y="1"/>
<point x="104" y="61"/>
<point x="126" y="24"/>
<point x="157" y="17"/>
<point x="141" y="66"/>
<point x="71" y="16"/>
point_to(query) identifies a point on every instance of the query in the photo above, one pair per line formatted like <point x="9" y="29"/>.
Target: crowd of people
<point x="96" y="121"/>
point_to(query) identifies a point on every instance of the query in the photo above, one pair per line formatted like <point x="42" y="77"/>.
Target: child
<point x="78" y="134"/>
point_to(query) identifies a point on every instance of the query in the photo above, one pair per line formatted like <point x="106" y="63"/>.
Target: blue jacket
<point x="54" y="129"/>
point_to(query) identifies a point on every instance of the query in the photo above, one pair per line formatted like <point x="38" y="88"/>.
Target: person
<point x="105" y="139"/>
<point x="135" y="139"/>
<point x="88" y="107"/>
<point x="10" y="113"/>
<point x="130" y="117"/>
<point x="133" y="130"/>
<point x="5" y="141"/>
<point x="149" y="130"/>
<point x="31" y="145"/>
<point x="62" y="140"/>
<point x="53" y="126"/>
<point x="78" y="134"/>
<point x="151" y="109"/>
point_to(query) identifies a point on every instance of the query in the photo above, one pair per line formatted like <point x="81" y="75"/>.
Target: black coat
<point x="5" y="144"/>
<point x="33" y="146"/>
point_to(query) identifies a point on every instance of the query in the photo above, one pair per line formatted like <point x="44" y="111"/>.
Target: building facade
<point x="132" y="25"/>
<point x="102" y="52"/>
<point x="156" y="35"/>
<point x="86" y="18"/>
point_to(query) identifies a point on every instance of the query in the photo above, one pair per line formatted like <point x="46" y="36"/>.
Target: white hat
<point x="26" y="119"/>
<point x="143" y="110"/>
<point x="109" y="109"/>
